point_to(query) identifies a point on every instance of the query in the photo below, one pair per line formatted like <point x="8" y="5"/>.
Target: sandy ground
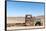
<point x="24" y="27"/>
<point x="13" y="20"/>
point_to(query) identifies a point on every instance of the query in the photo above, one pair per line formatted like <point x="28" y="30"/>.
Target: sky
<point x="23" y="8"/>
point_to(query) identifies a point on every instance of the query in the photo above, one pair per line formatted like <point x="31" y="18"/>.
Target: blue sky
<point x="21" y="9"/>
